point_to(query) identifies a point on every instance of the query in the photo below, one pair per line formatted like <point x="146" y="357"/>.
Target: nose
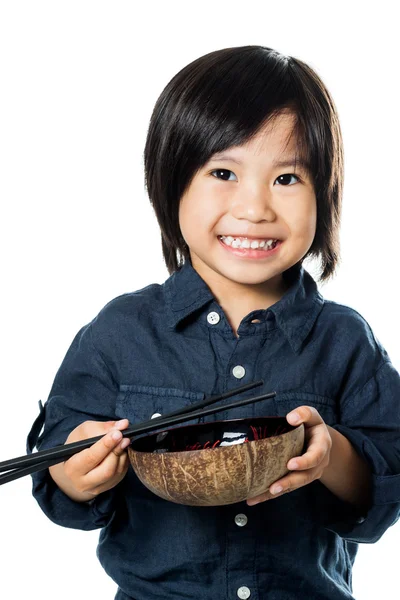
<point x="254" y="204"/>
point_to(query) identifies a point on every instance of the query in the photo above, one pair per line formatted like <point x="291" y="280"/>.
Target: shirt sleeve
<point x="370" y="419"/>
<point x="83" y="389"/>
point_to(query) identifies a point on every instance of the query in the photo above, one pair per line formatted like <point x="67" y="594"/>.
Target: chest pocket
<point x="285" y="402"/>
<point x="139" y="403"/>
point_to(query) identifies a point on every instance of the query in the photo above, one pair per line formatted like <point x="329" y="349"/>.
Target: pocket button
<point x="238" y="371"/>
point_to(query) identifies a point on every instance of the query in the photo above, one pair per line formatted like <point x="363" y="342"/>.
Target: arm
<point x="369" y="419"/>
<point x="84" y="390"/>
<point x="358" y="466"/>
<point x="347" y="475"/>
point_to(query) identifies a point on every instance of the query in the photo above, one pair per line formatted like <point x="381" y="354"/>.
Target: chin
<point x="246" y="276"/>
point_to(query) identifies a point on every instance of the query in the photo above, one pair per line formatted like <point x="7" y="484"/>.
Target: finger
<point x="95" y="457"/>
<point x="111" y="467"/>
<point x="123" y="463"/>
<point x="105" y="426"/>
<point x="257" y="499"/>
<point x="122" y="424"/>
<point x="278" y="487"/>
<point x="89" y="429"/>
<point x="292" y="482"/>
<point x="109" y="425"/>
<point x="285" y="485"/>
<point x="264" y="497"/>
<point x="318" y="448"/>
<point x="304" y="414"/>
<point x="85" y="461"/>
<point x="122" y="446"/>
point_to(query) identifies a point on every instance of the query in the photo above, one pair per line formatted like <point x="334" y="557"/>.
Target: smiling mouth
<point x="243" y="243"/>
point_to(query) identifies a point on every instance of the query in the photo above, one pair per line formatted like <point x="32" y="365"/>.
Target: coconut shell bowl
<point x="216" y="463"/>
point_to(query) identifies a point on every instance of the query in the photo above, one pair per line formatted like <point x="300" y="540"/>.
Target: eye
<point x="284" y="177"/>
<point x="223" y="172"/>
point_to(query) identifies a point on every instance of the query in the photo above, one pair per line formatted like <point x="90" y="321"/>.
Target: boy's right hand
<point x="98" y="468"/>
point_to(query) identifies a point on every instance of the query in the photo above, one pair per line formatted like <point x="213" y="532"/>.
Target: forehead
<point x="275" y="142"/>
<point x="276" y="136"/>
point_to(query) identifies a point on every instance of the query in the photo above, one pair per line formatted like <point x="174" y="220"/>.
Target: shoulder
<point x="348" y="334"/>
<point x="356" y="356"/>
<point x="130" y="301"/>
<point x="129" y="310"/>
<point x="349" y="324"/>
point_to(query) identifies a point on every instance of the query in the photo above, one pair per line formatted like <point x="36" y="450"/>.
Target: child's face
<point x="250" y="199"/>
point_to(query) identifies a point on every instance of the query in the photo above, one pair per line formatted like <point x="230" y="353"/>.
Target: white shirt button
<point x="241" y="520"/>
<point x="238" y="371"/>
<point x="213" y="318"/>
<point x="156" y="415"/>
<point x="243" y="592"/>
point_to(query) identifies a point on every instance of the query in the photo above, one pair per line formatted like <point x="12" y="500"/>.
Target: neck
<point x="239" y="299"/>
<point x="242" y="300"/>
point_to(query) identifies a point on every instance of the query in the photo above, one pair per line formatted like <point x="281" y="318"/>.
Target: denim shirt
<point x="168" y="345"/>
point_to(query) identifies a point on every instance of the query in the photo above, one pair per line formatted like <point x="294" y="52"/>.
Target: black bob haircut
<point x="221" y="100"/>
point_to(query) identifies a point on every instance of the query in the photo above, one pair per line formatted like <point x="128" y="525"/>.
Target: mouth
<point x="249" y="248"/>
<point x="245" y="242"/>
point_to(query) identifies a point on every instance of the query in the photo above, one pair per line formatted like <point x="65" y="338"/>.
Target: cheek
<point x="313" y="217"/>
<point x="303" y="218"/>
<point x="198" y="209"/>
<point x="190" y="211"/>
<point x="193" y="215"/>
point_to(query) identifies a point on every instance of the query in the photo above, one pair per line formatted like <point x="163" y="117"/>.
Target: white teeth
<point x="245" y="243"/>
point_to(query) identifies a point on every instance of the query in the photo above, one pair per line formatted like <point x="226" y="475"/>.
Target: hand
<point x="98" y="468"/>
<point x="311" y="465"/>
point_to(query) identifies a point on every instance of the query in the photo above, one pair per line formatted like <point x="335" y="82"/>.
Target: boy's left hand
<point x="311" y="465"/>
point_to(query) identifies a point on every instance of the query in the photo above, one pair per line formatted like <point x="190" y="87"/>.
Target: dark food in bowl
<point x="216" y="463"/>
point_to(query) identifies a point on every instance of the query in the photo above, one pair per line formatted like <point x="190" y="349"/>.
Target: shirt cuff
<point x="366" y="526"/>
<point x="64" y="511"/>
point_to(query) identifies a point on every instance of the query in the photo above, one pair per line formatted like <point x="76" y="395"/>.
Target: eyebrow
<point x="287" y="162"/>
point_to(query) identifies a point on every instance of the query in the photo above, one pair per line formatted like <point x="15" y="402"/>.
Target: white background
<point x="78" y="84"/>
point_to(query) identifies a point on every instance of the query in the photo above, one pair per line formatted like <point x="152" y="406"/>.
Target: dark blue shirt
<point x="165" y="346"/>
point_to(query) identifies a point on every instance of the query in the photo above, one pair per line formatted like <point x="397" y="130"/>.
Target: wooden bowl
<point x="181" y="465"/>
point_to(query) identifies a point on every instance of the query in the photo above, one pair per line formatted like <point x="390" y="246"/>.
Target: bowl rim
<point x="153" y="433"/>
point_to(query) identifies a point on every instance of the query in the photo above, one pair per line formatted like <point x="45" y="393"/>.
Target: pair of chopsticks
<point x="31" y="463"/>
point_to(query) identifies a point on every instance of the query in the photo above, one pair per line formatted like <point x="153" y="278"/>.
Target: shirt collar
<point x="295" y="313"/>
<point x="185" y="292"/>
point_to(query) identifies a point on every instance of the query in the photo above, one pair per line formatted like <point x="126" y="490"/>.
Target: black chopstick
<point x="31" y="468"/>
<point x="62" y="453"/>
<point x="67" y="450"/>
<point x="83" y="444"/>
